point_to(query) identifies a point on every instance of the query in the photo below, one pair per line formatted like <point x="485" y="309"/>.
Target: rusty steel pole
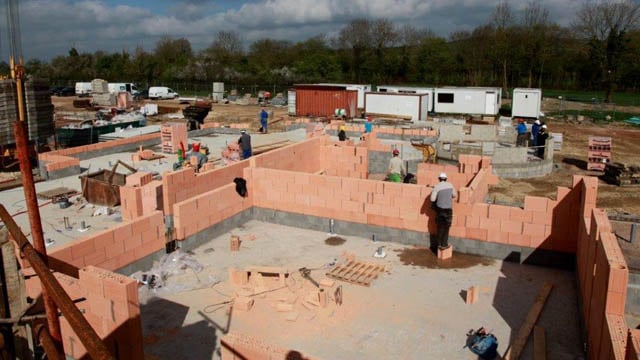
<point x="89" y="338"/>
<point x="48" y="344"/>
<point x="31" y="200"/>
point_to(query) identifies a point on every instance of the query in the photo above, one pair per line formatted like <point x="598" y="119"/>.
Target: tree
<point x="502" y="21"/>
<point x="223" y="56"/>
<point x="354" y="40"/>
<point x="314" y="61"/>
<point x="536" y="39"/>
<point x="605" y="26"/>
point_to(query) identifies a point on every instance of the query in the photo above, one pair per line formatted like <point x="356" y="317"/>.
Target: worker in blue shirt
<point x="535" y="128"/>
<point x="521" y="140"/>
<point x="264" y="115"/>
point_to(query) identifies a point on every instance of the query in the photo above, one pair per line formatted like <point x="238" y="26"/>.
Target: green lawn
<point x="619" y="98"/>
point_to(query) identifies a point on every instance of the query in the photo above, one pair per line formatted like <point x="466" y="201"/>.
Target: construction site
<point x="303" y="251"/>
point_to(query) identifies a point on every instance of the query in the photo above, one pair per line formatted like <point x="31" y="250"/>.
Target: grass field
<point x="619" y="98"/>
<point x="594" y="114"/>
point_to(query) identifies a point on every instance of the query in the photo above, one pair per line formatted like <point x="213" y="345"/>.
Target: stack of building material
<point x="599" y="152"/>
<point x="621" y="174"/>
<point x="38" y="106"/>
<point x="39" y="110"/>
<point x="172" y="134"/>
<point x="8" y="111"/>
<point x="99" y="86"/>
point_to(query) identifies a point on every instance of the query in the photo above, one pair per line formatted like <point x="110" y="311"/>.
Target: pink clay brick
<point x="499" y="212"/>
<point x="537" y="230"/>
<point x="511" y="226"/>
<point x="519" y="240"/>
<point x="477" y="234"/>
<point x="517" y="214"/>
<point x="480" y="209"/>
<point x="472" y="222"/>
<point x="534" y="203"/>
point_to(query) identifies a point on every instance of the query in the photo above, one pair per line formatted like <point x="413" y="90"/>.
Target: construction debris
<point x="621" y="174"/>
<point x="356" y="272"/>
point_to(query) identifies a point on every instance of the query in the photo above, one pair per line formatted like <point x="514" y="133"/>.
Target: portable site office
<point x="467" y="100"/>
<point x="397" y="105"/>
<point x="409" y="90"/>
<point x="526" y="103"/>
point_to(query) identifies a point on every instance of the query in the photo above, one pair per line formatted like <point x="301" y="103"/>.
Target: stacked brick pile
<point x="599" y="153"/>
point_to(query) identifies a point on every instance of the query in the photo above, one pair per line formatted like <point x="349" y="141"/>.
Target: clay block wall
<point x="357" y="200"/>
<point x="302" y="157"/>
<point x="185" y="184"/>
<point x="236" y="346"/>
<point x="117" y="247"/>
<point x="633" y="345"/>
<point x="603" y="275"/>
<point x="202" y="211"/>
<point x="136" y="201"/>
<point x="339" y="159"/>
<point x="428" y="175"/>
<point x="111" y="308"/>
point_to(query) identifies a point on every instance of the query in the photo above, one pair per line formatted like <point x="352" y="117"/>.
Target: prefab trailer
<point x="409" y="90"/>
<point x="405" y="106"/>
<point x="291" y="102"/>
<point x="526" y="103"/>
<point x="362" y="89"/>
<point x="467" y="100"/>
<point x="323" y="100"/>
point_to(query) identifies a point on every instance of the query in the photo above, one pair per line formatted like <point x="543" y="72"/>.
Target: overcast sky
<point x="52" y="27"/>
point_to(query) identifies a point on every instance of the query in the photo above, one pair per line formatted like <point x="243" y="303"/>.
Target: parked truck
<point x="123" y="87"/>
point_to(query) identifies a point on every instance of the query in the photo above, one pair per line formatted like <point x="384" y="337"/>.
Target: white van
<point x="162" y="92"/>
<point x="83" y="88"/>
<point x="123" y="87"/>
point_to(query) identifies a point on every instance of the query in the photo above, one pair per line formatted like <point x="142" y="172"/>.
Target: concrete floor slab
<point x="414" y="310"/>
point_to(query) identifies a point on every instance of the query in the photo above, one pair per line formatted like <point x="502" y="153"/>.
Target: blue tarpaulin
<point x="633" y="120"/>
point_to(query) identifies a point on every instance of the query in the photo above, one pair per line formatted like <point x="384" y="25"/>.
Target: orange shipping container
<point x="323" y="100"/>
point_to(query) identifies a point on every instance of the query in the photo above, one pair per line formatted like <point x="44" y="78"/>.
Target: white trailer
<point x="467" y="100"/>
<point x="526" y="103"/>
<point x="408" y="106"/>
<point x="362" y="89"/>
<point x="409" y="90"/>
<point x="83" y="88"/>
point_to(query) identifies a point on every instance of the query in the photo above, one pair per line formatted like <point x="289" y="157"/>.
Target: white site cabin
<point x="526" y="103"/>
<point x="467" y="100"/>
<point x="409" y="90"/>
<point x="413" y="107"/>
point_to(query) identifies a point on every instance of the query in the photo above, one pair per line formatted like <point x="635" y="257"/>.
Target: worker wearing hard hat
<point x="396" y="171"/>
<point x="342" y="135"/>
<point x="442" y="200"/>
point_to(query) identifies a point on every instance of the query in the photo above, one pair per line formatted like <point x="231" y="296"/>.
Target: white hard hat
<point x="544" y="126"/>
<point x="442" y="176"/>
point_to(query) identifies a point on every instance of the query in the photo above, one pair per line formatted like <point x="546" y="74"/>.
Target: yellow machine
<point x="427" y="146"/>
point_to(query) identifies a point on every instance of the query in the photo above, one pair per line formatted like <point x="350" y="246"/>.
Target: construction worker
<point x="442" y="201"/>
<point x="521" y="129"/>
<point x="534" y="131"/>
<point x="396" y="171"/>
<point x="543" y="135"/>
<point x="264" y="116"/>
<point x="245" y="144"/>
<point x="342" y="135"/>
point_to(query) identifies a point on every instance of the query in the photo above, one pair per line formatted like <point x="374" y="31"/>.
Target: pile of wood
<point x="621" y="174"/>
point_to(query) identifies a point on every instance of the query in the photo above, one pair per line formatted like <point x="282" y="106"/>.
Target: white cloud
<point x="52" y="27"/>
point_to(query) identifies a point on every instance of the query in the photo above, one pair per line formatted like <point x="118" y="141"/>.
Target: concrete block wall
<point x="205" y="210"/>
<point x="117" y="247"/>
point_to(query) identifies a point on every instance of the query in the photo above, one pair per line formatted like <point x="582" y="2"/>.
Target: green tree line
<point x="598" y="51"/>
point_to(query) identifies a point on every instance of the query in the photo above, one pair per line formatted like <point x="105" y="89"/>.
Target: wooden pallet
<point x="56" y="193"/>
<point x="356" y="272"/>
